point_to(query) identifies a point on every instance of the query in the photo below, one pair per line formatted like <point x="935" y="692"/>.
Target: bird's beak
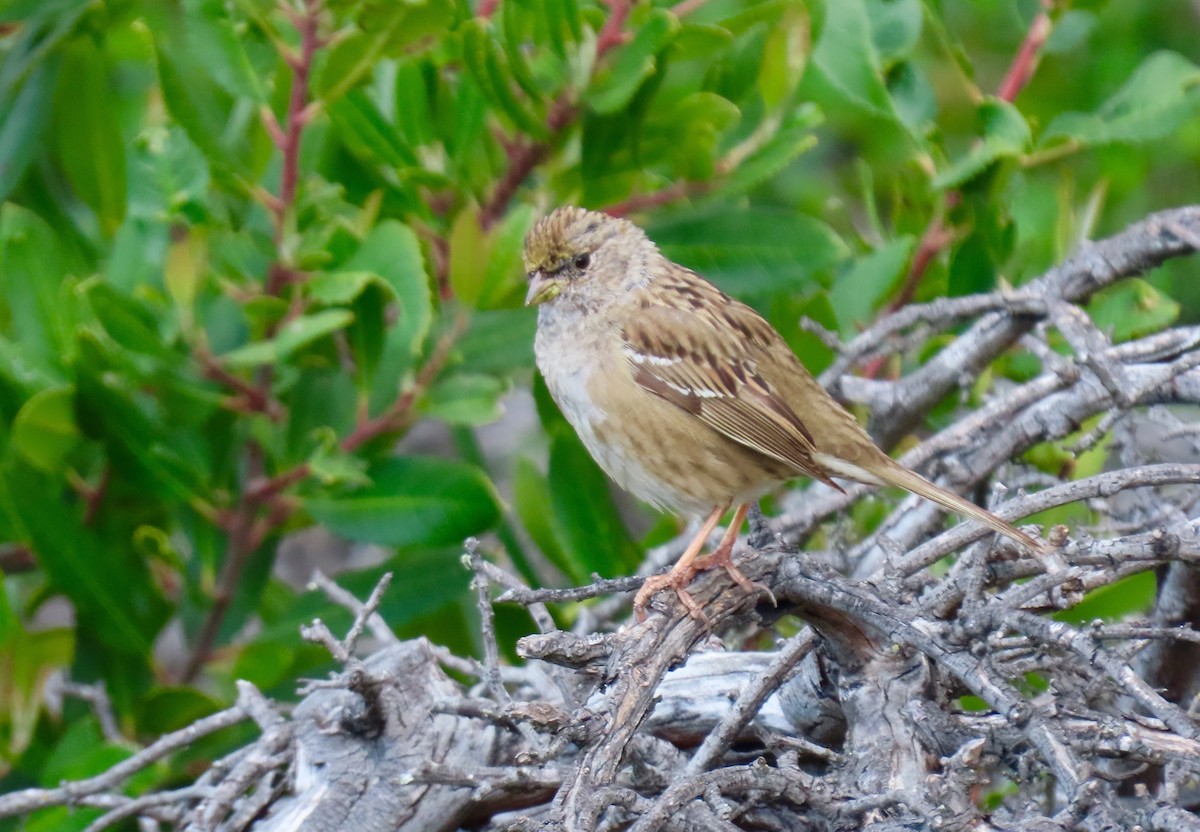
<point x="542" y="289"/>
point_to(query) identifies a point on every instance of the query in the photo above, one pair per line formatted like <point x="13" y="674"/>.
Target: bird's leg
<point x="722" y="557"/>
<point x="681" y="573"/>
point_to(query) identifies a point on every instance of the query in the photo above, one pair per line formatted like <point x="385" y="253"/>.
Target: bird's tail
<point x="893" y="473"/>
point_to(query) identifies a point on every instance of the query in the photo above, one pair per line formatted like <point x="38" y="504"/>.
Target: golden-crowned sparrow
<point x="685" y="396"/>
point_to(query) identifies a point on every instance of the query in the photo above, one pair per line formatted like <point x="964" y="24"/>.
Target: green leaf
<point x="81" y="752"/>
<point x="254" y="354"/>
<point x="464" y="399"/>
<point x="111" y="588"/>
<point x="265" y="664"/>
<point x="861" y="289"/>
<point x="1115" y="602"/>
<point x="199" y="106"/>
<point x="785" y="55"/>
<point x="531" y="499"/>
<point x="348" y="62"/>
<point x="514" y="39"/>
<point x="368" y="296"/>
<point x="392" y="251"/>
<point x="23" y="119"/>
<point x="1132" y="309"/>
<point x="585" y="517"/>
<point x="29" y="660"/>
<point x="169" y="709"/>
<point x="387" y="29"/>
<point x="700" y="41"/>
<point x="972" y="267"/>
<point x="368" y="334"/>
<point x="331" y="466"/>
<point x="1158" y="98"/>
<point x="341" y="288"/>
<point x="845" y="58"/>
<point x="563" y="23"/>
<point x="214" y="40"/>
<point x="465" y="120"/>
<point x="412" y="500"/>
<point x="368" y="134"/>
<point x="692" y="128"/>
<point x="32" y="268"/>
<point x="294" y="335"/>
<point x="87" y="135"/>
<point x="1071" y="31"/>
<point x="433" y="579"/>
<point x="468" y="256"/>
<point x="488" y="65"/>
<point x="504" y="274"/>
<point x="895" y="27"/>
<point x="750" y="250"/>
<point x="112" y="407"/>
<point x="499" y="341"/>
<point x="413" y="99"/>
<point x="813" y="353"/>
<point x="612" y="89"/>
<point x="128" y="322"/>
<point x="44" y="430"/>
<point x="300" y="332"/>
<point x="184" y="269"/>
<point x="913" y="97"/>
<point x="794" y="139"/>
<point x="1006" y="135"/>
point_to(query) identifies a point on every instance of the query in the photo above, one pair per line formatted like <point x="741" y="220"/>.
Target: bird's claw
<point x="723" y="559"/>
<point x="676" y="580"/>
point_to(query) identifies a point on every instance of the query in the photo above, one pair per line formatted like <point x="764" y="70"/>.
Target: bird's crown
<point x="566" y="233"/>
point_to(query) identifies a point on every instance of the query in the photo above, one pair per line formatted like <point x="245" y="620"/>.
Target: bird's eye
<point x="582" y="261"/>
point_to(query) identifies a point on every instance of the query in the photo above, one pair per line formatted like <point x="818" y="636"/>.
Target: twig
<point x="792" y="786"/>
<point x="96" y="695"/>
<point x="379" y="628"/>
<point x="491" y="652"/>
<point x="599" y="586"/>
<point x="29" y="800"/>
<point x="142" y="806"/>
<point x="483" y="602"/>
<point x="367" y="611"/>
<point x="749" y="702"/>
<point x="541" y="616"/>
<point x="1105" y="484"/>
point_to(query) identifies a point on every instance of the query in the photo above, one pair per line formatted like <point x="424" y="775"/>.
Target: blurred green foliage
<point x="245" y="245"/>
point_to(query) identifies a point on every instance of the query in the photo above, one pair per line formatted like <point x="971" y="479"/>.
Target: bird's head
<point x="574" y="252"/>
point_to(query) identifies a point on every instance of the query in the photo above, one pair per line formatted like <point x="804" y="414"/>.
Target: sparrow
<point x="686" y="397"/>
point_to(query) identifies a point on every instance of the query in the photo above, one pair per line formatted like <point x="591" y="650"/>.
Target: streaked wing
<point x="674" y="353"/>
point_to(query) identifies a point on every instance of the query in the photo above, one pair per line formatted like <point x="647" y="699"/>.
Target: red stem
<point x="612" y="34"/>
<point x="297" y="118"/>
<point x="938" y="234"/>
<point x="244" y="527"/>
<point x="1026" y="59"/>
<point x="522" y="159"/>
